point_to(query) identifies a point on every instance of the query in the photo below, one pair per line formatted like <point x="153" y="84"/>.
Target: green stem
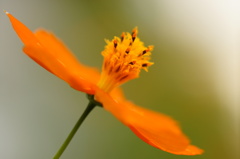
<point x="89" y="108"/>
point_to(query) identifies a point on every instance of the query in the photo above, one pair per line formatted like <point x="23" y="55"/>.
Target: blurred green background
<point x="194" y="78"/>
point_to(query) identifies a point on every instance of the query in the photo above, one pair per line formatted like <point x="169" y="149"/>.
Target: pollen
<point x="124" y="58"/>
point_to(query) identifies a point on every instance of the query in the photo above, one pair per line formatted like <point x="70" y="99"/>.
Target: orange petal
<point x="23" y="32"/>
<point x="117" y="93"/>
<point x="154" y="128"/>
<point x="49" y="52"/>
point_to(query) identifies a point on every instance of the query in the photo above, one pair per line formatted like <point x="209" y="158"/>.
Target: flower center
<point x="123" y="59"/>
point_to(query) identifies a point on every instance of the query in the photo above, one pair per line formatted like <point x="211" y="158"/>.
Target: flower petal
<point x="154" y="128"/>
<point x="49" y="52"/>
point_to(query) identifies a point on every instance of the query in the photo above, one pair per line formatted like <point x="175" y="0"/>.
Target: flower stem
<point x="89" y="108"/>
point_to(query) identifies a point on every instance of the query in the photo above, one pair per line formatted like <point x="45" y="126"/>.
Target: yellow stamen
<point x="123" y="59"/>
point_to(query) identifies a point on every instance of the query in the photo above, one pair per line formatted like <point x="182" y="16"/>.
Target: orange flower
<point x="124" y="57"/>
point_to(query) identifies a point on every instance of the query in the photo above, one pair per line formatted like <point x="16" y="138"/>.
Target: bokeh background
<point x="195" y="78"/>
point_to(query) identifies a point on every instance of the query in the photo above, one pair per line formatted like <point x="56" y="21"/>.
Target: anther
<point x="144" y="52"/>
<point x="127" y="50"/>
<point x="134" y="32"/>
<point x="118" y="68"/>
<point x="133" y="38"/>
<point x="134" y="35"/>
<point x="115" y="43"/>
<point x="122" y="78"/>
<point x="132" y="62"/>
<point x="122" y="36"/>
<point x="144" y="65"/>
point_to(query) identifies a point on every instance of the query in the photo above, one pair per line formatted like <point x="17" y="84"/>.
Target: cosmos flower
<point x="124" y="58"/>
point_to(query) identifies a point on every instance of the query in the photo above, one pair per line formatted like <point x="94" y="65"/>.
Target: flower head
<point x="124" y="57"/>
